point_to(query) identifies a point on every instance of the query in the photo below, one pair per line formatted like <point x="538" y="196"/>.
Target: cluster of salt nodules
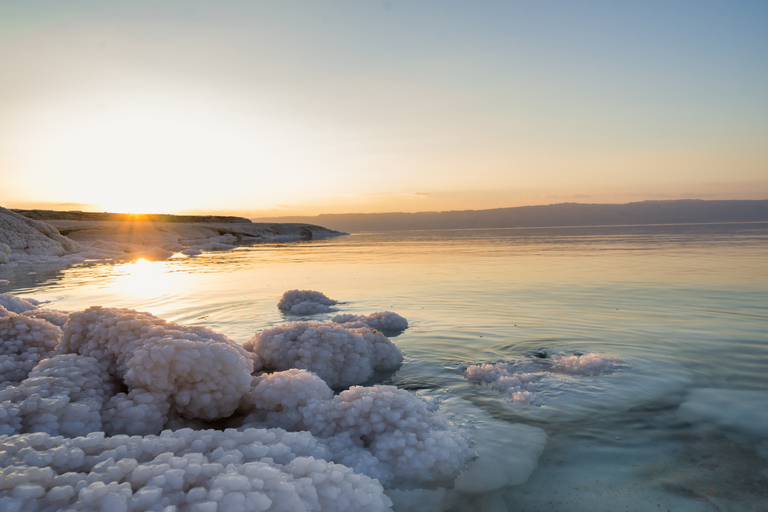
<point x="123" y="373"/>
<point x="385" y="321"/>
<point x="519" y="380"/>
<point x="168" y="369"/>
<point x="24" y="342"/>
<point x="384" y="432"/>
<point x="305" y="302"/>
<point x="184" y="470"/>
<point x="342" y="356"/>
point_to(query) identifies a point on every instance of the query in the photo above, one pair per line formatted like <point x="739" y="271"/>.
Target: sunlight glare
<point x="145" y="278"/>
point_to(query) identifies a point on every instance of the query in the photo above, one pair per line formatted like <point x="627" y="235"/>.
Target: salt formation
<point x="115" y="372"/>
<point x="385" y="321"/>
<point x="278" y="399"/>
<point x="11" y="303"/>
<point x="23" y="238"/>
<point x="340" y="356"/>
<point x="507" y="454"/>
<point x="24" y="342"/>
<point x="567" y="388"/>
<point x="733" y="411"/>
<point x="116" y="237"/>
<point x="520" y="381"/>
<point x="5" y="257"/>
<point x="166" y="367"/>
<point x="381" y="431"/>
<point x="305" y="302"/>
<point x="185" y="470"/>
<point x="63" y="395"/>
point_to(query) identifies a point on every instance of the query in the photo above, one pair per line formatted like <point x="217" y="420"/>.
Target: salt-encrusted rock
<point x="386" y="321"/>
<point x="24" y="342"/>
<point x="305" y="302"/>
<point x="185" y="470"/>
<point x="23" y="238"/>
<point x="411" y="443"/>
<point x="340" y="356"/>
<point x="199" y="373"/>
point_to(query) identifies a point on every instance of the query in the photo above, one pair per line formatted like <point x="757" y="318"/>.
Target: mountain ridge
<point x="678" y="211"/>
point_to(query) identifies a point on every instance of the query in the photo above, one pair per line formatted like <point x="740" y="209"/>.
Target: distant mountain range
<point x="684" y="211"/>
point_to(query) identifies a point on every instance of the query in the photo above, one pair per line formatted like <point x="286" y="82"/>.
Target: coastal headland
<point x="40" y="234"/>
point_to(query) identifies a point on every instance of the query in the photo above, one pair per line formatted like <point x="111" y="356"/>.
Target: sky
<point x="302" y="107"/>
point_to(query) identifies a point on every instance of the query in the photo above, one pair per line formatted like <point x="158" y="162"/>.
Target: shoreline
<point x="47" y="235"/>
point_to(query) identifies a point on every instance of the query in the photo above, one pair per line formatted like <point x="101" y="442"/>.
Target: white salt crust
<point x="120" y="372"/>
<point x="341" y="356"/>
<point x="507" y="454"/>
<point x="385" y="321"/>
<point x="24" y="342"/>
<point x="384" y="432"/>
<point x="305" y="302"/>
<point x="183" y="470"/>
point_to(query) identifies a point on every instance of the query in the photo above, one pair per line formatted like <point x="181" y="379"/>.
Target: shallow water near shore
<point x="685" y="306"/>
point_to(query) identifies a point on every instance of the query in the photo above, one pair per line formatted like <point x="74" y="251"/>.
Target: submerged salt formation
<point x="187" y="470"/>
<point x="129" y="375"/>
<point x="572" y="387"/>
<point x="741" y="413"/>
<point x="305" y="302"/>
<point x="507" y="454"/>
<point x="385" y="321"/>
<point x="520" y="381"/>
<point x="340" y="356"/>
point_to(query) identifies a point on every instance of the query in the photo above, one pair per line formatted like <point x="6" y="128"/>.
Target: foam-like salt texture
<point x="305" y="302"/>
<point x="63" y="395"/>
<point x="24" y="342"/>
<point x="340" y="356"/>
<point x="564" y="388"/>
<point x="507" y="454"/>
<point x="384" y="432"/>
<point x="387" y="322"/>
<point x="208" y="470"/>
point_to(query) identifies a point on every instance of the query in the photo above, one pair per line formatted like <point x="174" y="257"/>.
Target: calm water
<point x="686" y="306"/>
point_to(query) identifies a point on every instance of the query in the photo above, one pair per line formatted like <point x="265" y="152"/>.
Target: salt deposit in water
<point x="305" y="302"/>
<point x="129" y="374"/>
<point x="572" y="387"/>
<point x="388" y="322"/>
<point x="341" y="356"/>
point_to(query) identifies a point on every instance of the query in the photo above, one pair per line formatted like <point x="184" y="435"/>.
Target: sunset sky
<point x="297" y="107"/>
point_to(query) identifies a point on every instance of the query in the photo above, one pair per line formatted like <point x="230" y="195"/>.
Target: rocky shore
<point x="38" y="235"/>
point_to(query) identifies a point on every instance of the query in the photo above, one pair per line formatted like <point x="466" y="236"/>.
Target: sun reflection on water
<point x="144" y="277"/>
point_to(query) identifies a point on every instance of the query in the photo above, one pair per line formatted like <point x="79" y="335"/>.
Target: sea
<point x="680" y="425"/>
